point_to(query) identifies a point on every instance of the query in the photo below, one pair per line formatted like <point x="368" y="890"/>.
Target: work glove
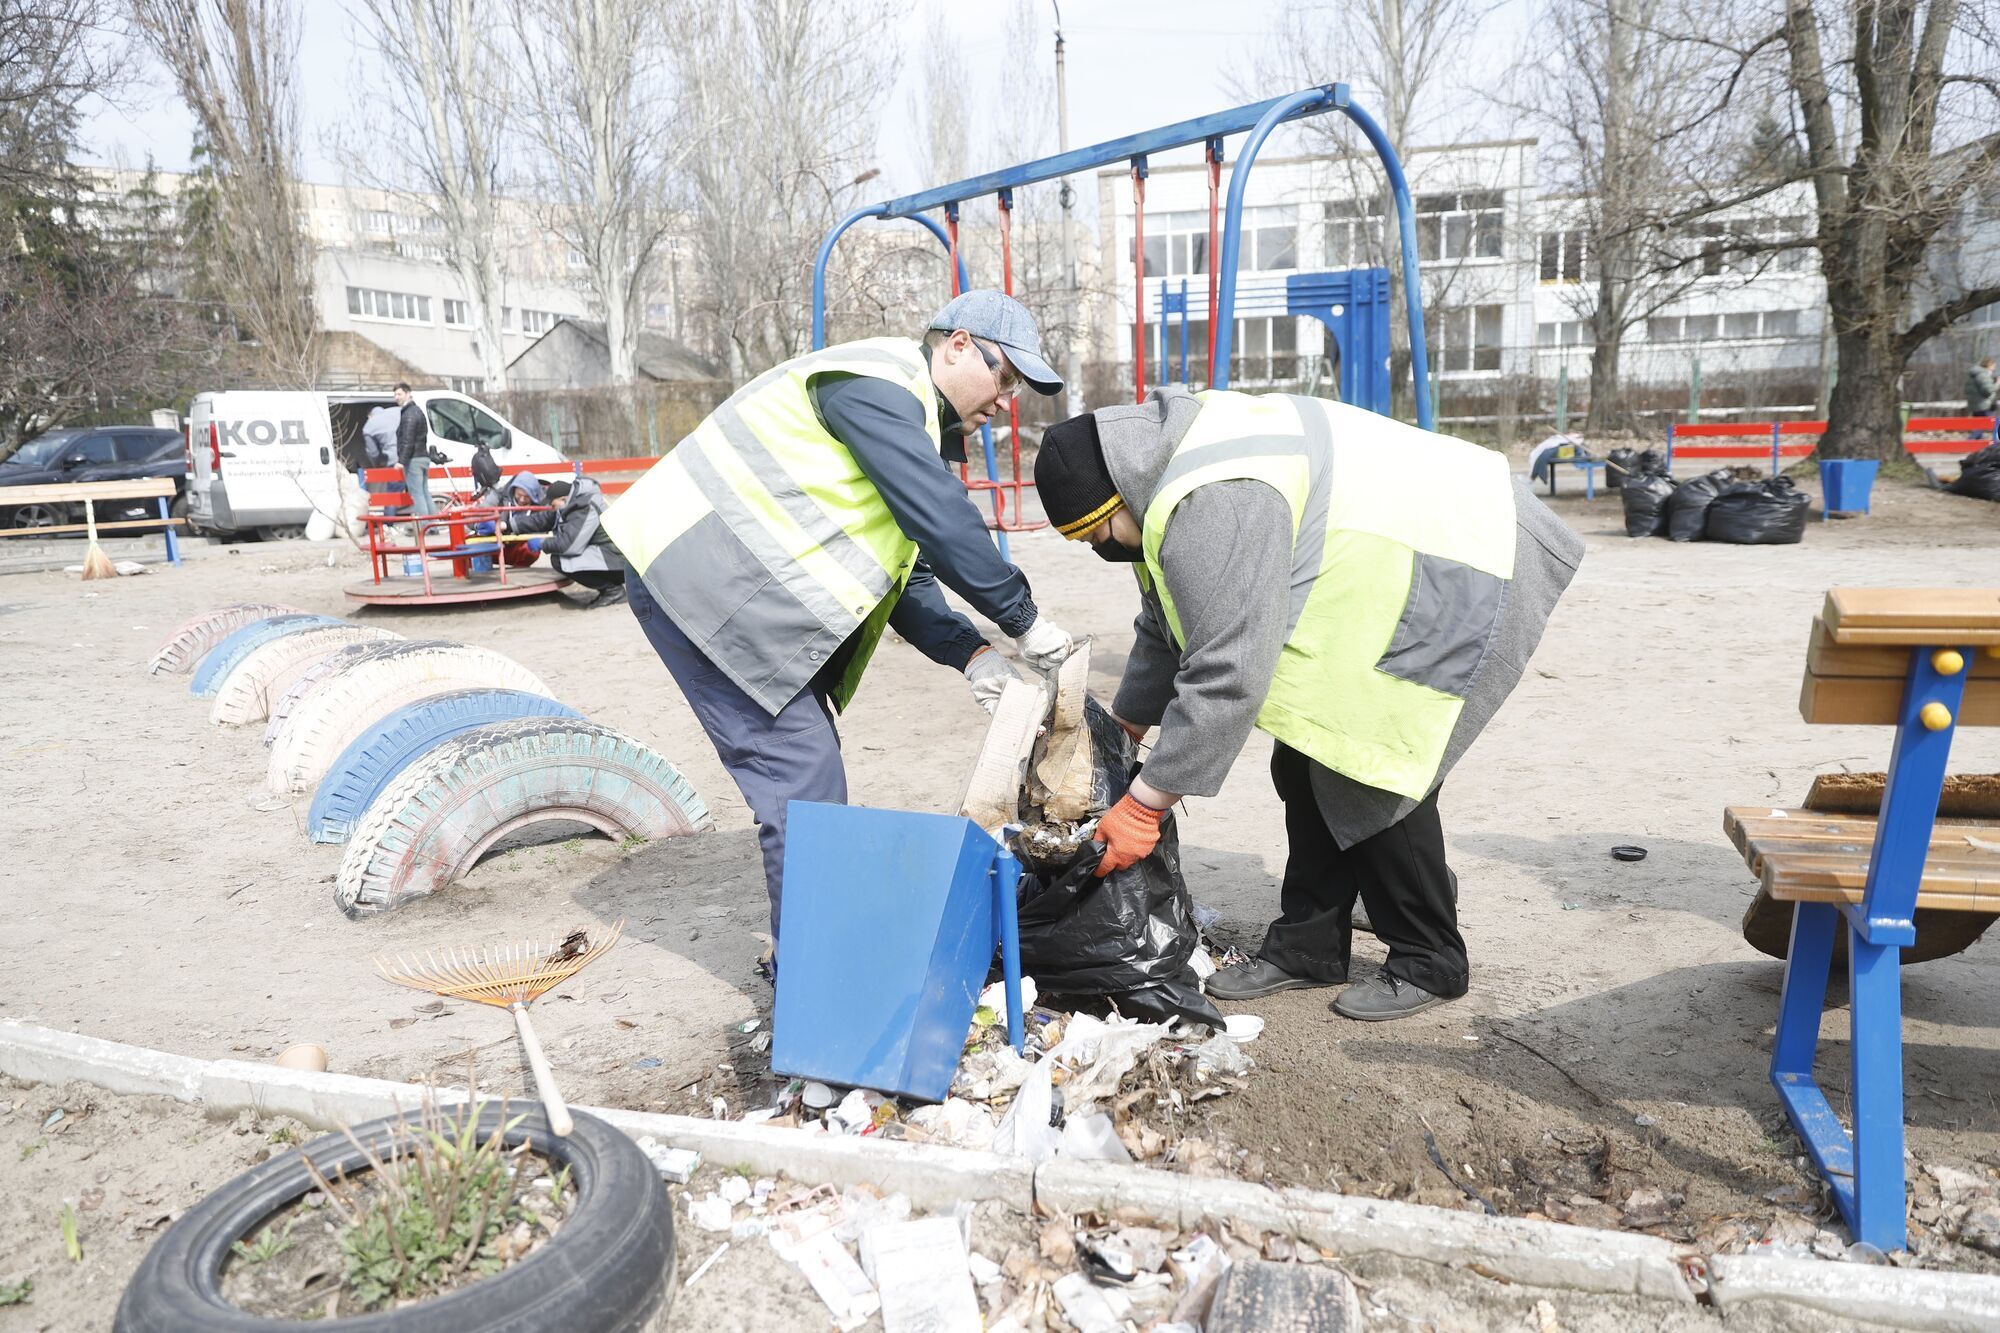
<point x="1045" y="645"/>
<point x="1129" y="831"/>
<point x="988" y="673"/>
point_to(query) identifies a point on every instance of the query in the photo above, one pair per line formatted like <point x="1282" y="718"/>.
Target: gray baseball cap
<point x="998" y="317"/>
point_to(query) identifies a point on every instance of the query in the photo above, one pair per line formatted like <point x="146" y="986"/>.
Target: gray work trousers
<point x="794" y="756"/>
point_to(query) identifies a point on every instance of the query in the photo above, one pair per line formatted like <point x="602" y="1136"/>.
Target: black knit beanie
<point x="1076" y="488"/>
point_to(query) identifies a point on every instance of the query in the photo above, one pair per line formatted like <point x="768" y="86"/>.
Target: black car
<point x="93" y="453"/>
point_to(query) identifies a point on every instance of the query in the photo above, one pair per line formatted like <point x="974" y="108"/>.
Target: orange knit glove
<point x="1129" y="831"/>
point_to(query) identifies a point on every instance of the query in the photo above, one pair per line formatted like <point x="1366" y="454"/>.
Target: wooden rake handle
<point x="560" y="1123"/>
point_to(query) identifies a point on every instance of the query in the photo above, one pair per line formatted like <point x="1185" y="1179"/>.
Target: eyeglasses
<point x="1006" y="381"/>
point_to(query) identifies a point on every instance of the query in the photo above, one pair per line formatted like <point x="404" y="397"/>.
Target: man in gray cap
<point x="815" y="508"/>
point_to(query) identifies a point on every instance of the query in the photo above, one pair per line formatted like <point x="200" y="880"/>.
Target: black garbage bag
<point x="1979" y="475"/>
<point x="1687" y="509"/>
<point x="1127" y="937"/>
<point x="1623" y="463"/>
<point x="1651" y="461"/>
<point x="1645" y="497"/>
<point x="1768" y="513"/>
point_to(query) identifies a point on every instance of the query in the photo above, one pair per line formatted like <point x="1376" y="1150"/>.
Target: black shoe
<point x="613" y="596"/>
<point x="1248" y="981"/>
<point x="1383" y="997"/>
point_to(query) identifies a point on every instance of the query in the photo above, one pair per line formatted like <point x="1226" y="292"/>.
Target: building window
<point x="379" y="222"/>
<point x="1707" y="328"/>
<point x="1563" y="333"/>
<point x="1465" y="225"/>
<point x="1354" y="236"/>
<point x="1263" y="349"/>
<point x="464" y="383"/>
<point x="398" y="307"/>
<point x="1710" y="241"/>
<point x="577" y="259"/>
<point x="1465" y="339"/>
<point x="457" y="314"/>
<point x="1562" y="256"/>
<point x="1177" y="243"/>
<point x="535" y="323"/>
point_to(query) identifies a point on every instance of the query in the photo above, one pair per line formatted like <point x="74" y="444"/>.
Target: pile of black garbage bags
<point x="1715" y="507"/>
<point x="1979" y="474"/>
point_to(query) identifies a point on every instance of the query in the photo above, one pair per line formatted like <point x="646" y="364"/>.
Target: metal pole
<point x="1406" y="219"/>
<point x="1139" y="279"/>
<point x="1694" y="387"/>
<point x="1562" y="398"/>
<point x="1073" y="363"/>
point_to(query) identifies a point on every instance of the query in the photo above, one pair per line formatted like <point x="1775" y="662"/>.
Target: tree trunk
<point x="1607" y="394"/>
<point x="1865" y="413"/>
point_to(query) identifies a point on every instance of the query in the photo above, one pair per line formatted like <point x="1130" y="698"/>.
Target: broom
<point x="96" y="564"/>
<point x="509" y="976"/>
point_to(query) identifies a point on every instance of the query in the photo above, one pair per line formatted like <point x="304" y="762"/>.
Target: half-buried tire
<point x="190" y="641"/>
<point x="609" y="1269"/>
<point x="432" y="824"/>
<point x="332" y="716"/>
<point x="214" y="668"/>
<point x="262" y="678"/>
<point x="381" y="753"/>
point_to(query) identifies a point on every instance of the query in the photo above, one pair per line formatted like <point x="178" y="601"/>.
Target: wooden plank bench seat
<point x="1873" y="879"/>
<point x="89" y="494"/>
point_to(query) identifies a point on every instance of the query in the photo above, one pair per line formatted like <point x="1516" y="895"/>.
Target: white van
<point x="265" y="460"/>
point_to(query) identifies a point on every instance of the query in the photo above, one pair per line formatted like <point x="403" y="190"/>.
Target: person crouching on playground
<point x="812" y="510"/>
<point x="1365" y="592"/>
<point x="577" y="544"/>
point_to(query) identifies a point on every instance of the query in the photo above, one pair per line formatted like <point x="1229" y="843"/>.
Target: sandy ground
<point x="152" y="897"/>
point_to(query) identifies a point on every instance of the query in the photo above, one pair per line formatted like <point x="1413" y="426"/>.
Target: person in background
<point x="378" y="443"/>
<point x="1981" y="389"/>
<point x="413" y="451"/>
<point x="579" y="547"/>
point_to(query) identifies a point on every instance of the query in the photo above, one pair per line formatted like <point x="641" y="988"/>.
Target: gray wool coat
<point x="1226" y="559"/>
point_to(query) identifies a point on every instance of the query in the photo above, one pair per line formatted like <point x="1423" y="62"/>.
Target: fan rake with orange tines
<point x="509" y="976"/>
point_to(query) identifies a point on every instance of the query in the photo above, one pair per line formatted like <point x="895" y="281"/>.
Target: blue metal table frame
<point x="1865" y="1171"/>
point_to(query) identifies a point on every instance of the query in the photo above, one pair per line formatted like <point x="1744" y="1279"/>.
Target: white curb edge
<point x="1545" y="1254"/>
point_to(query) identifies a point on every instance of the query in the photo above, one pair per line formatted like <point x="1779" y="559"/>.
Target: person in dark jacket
<point x="577" y="544"/>
<point x="413" y="451"/>
<point x="1981" y="389"/>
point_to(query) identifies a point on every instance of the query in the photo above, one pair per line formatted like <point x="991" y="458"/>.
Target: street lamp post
<point x="1073" y="370"/>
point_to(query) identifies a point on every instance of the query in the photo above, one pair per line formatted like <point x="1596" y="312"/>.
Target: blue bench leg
<point x="173" y="542"/>
<point x="1875" y="1030"/>
<point x="1807" y="964"/>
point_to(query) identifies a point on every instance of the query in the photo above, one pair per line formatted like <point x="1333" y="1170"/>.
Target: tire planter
<point x="609" y="1269"/>
<point x="230" y="651"/>
<point x="192" y="639"/>
<point x="380" y="754"/>
<point x="262" y="678"/>
<point x="286" y="705"/>
<point x="329" y="719"/>
<point x="432" y="824"/>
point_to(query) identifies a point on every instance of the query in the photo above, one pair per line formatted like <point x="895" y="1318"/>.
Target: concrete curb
<point x="1896" y="1297"/>
<point x="1544" y="1254"/>
<point x="1541" y="1254"/>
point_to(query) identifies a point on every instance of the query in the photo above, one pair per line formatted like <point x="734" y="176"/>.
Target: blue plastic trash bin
<point x="891" y="919"/>
<point x="1845" y="484"/>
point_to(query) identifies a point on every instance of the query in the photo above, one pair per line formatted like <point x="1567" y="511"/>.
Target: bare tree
<point x="233" y="63"/>
<point x="1394" y="52"/>
<point x="1873" y="109"/>
<point x="53" y="54"/>
<point x="444" y="104"/>
<point x="603" y="124"/>
<point x="792" y="86"/>
<point x="1630" y="134"/>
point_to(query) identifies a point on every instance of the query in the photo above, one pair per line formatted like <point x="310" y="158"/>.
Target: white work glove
<point x="1045" y="645"/>
<point x="989" y="673"/>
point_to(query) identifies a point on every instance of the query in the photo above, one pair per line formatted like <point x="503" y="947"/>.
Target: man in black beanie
<point x="1292" y="577"/>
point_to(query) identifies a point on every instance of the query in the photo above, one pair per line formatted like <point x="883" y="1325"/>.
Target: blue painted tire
<point x="287" y="705"/>
<point x="227" y="655"/>
<point x="377" y="757"/>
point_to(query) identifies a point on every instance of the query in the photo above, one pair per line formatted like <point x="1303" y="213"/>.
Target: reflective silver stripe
<point x="1224" y="451"/>
<point x="750" y="530"/>
<point x="1446" y="623"/>
<point x="818" y="525"/>
<point x="1309" y="546"/>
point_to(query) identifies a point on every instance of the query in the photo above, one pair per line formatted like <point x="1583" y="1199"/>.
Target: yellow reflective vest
<point x="1403" y="544"/>
<point x="760" y="535"/>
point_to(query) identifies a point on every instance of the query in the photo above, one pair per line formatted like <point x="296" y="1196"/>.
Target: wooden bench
<point x="1924" y="661"/>
<point x="89" y="494"/>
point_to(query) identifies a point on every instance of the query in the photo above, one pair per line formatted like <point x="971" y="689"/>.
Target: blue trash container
<point x="1845" y="484"/>
<point x="891" y="920"/>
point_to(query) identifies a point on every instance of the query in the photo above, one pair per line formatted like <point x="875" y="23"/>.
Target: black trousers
<point x="1399" y="874"/>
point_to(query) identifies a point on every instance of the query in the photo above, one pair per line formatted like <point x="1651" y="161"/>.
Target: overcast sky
<point x="1132" y="64"/>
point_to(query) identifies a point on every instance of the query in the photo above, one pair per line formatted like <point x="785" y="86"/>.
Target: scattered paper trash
<point x="710" y="1214"/>
<point x="1088" y="1307"/>
<point x="1092" y="1138"/>
<point x="921" y="1275"/>
<point x="734" y="1189"/>
<point x="1220" y="1055"/>
<point x="675" y="1164"/>
<point x="806" y="1241"/>
<point x="817" y="1095"/>
<point x="1205" y="917"/>
<point x="706" y="1264"/>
